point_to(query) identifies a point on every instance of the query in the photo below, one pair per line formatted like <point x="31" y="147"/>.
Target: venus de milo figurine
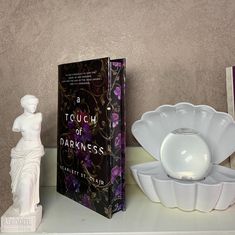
<point x="25" y="214"/>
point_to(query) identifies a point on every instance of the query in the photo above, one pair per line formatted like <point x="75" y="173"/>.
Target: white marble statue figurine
<point x="25" y="170"/>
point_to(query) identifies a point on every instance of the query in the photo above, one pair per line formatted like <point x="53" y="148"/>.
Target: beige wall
<point x="175" y="50"/>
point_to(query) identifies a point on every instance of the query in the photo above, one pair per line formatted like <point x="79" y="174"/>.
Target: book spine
<point x="230" y="89"/>
<point x="118" y="136"/>
<point x="123" y="128"/>
<point x="123" y="148"/>
<point x="230" y="104"/>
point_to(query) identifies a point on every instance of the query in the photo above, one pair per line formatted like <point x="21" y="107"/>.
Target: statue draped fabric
<point x="26" y="158"/>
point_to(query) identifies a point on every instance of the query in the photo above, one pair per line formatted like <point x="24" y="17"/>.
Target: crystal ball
<point x="185" y="155"/>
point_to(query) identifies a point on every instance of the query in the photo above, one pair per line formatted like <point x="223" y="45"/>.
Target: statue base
<point x="10" y="222"/>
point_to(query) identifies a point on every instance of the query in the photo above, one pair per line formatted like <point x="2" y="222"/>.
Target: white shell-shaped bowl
<point x="217" y="189"/>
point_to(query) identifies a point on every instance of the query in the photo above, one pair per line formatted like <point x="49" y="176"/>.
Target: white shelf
<point x="63" y="215"/>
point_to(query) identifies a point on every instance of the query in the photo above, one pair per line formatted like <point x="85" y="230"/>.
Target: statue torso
<point x="30" y="127"/>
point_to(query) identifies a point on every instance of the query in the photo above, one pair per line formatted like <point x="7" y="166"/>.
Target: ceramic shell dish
<point x="217" y="189"/>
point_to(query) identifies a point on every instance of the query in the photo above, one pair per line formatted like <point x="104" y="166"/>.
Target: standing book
<point x="230" y="87"/>
<point x="91" y="134"/>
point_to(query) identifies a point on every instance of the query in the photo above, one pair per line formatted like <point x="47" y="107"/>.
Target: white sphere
<point x="185" y="155"/>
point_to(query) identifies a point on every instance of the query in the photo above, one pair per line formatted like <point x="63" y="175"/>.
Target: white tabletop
<point x="62" y="215"/>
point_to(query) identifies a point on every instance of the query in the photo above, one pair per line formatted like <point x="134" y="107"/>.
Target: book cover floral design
<point x="91" y="134"/>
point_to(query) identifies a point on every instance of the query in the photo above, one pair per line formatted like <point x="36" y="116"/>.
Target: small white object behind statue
<point x="25" y="214"/>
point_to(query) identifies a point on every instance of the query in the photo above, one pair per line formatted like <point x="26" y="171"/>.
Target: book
<point x="91" y="134"/>
<point x="230" y="88"/>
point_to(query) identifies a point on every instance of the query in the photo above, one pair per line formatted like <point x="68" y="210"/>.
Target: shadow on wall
<point x="130" y="77"/>
<point x="49" y="129"/>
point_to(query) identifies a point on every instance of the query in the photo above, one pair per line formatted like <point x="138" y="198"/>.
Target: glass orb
<point x="185" y="155"/>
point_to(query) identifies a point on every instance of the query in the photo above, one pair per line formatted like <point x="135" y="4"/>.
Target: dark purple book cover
<point x="91" y="134"/>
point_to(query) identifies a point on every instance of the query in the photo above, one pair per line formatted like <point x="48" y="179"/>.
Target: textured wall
<point x="175" y="50"/>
